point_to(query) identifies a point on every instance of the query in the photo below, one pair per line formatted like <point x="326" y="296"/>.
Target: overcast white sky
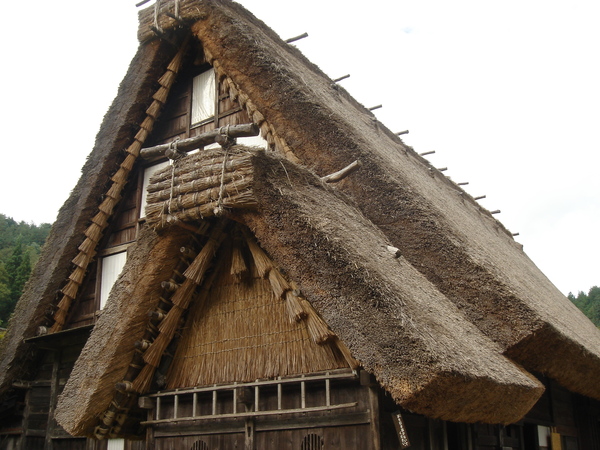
<point x="506" y="92"/>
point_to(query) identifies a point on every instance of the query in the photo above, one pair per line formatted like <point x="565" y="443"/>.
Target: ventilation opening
<point x="199" y="445"/>
<point x="312" y="442"/>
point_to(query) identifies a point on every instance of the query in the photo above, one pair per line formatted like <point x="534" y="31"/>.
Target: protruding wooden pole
<point x="341" y="174"/>
<point x="296" y="38"/>
<point x="337" y="80"/>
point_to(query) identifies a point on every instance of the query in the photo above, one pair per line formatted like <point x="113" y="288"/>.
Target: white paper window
<point x="253" y="141"/>
<point x="543" y="437"/>
<point x="148" y="172"/>
<point x="203" y="97"/>
<point x="115" y="444"/>
<point x="112" y="266"/>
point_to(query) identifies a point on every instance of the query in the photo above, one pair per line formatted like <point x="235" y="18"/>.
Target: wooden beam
<point x="189" y="144"/>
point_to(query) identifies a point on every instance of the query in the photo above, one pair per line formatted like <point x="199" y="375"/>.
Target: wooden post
<point x="53" y="396"/>
<point x="373" y="392"/>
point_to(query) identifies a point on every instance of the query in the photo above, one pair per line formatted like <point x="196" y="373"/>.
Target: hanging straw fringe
<point x="261" y="260"/>
<point x="143" y="381"/>
<point x="278" y="283"/>
<point x="293" y="307"/>
<point x="201" y="263"/>
<point x="317" y="328"/>
<point x="238" y="265"/>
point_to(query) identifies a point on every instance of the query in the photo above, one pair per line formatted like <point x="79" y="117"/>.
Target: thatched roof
<point x="461" y="315"/>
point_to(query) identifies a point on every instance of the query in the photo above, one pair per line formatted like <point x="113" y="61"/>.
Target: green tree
<point x="588" y="303"/>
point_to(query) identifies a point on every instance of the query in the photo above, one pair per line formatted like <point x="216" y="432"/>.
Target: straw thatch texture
<point x="61" y="246"/>
<point x="439" y="229"/>
<point x="241" y="332"/>
<point x="109" y="350"/>
<point x="415" y="341"/>
<point x="195" y="186"/>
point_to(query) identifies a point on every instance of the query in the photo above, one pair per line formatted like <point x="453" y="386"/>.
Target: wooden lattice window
<point x="312" y="441"/>
<point x="199" y="445"/>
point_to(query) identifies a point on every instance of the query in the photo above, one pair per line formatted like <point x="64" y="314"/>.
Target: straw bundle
<point x="136" y="146"/>
<point x="153" y="110"/>
<point x="261" y="260"/>
<point x="83" y="259"/>
<point x="88" y="246"/>
<point x="294" y="307"/>
<point x="61" y="314"/>
<point x="77" y="275"/>
<point x="143" y="381"/>
<point x="99" y="223"/>
<point x="317" y="328"/>
<point x="201" y="263"/>
<point x="278" y="283"/>
<point x="163" y="218"/>
<point x="197" y="185"/>
<point x="238" y="265"/>
<point x="70" y="290"/>
<point x="193" y="199"/>
<point x="94" y="232"/>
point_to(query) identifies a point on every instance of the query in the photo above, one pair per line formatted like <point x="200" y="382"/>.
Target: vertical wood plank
<point x="53" y="395"/>
<point x="374" y="415"/>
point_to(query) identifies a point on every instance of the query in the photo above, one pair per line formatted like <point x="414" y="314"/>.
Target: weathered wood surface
<point x="187" y="145"/>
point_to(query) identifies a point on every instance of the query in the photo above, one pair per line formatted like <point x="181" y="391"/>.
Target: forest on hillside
<point x="589" y="303"/>
<point x="20" y="245"/>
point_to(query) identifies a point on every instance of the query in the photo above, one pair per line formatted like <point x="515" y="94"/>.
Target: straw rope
<point x="94" y="232"/>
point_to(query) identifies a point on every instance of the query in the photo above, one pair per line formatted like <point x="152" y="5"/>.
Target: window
<point x="203" y="97"/>
<point x="111" y="267"/>
<point x="148" y="172"/>
<point x="115" y="444"/>
<point x="253" y="141"/>
<point x="543" y="437"/>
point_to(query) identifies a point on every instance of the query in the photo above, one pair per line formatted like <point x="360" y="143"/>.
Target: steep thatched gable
<point x="458" y="313"/>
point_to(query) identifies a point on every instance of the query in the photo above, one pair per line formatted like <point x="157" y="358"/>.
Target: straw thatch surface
<point x="107" y="354"/>
<point x="241" y="332"/>
<point x="395" y="322"/>
<point x="440" y="230"/>
<point x="54" y="264"/>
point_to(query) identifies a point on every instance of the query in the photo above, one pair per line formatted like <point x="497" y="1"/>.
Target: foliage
<point x="589" y="304"/>
<point x="20" y="245"/>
